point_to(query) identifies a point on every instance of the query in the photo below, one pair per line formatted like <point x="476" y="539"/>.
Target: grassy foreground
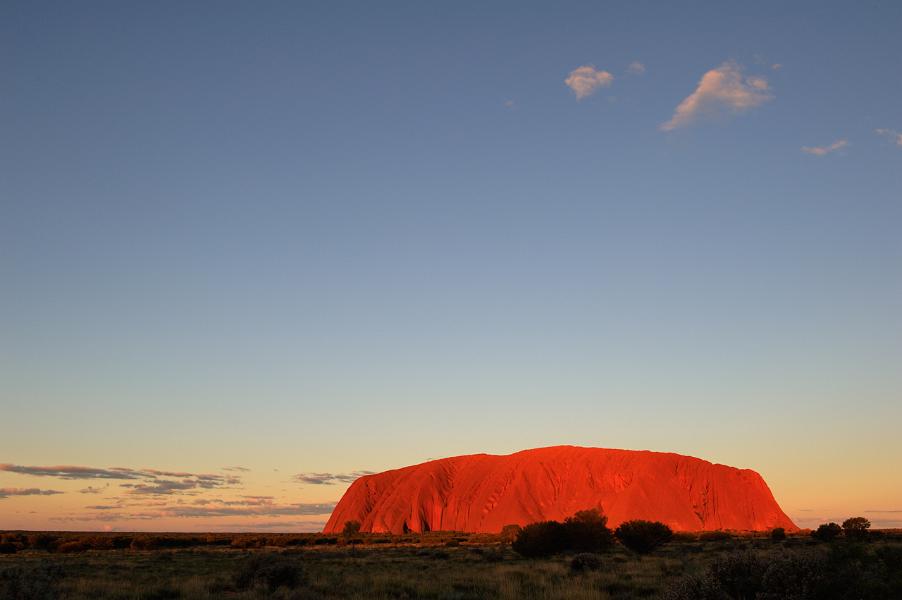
<point x="435" y="566"/>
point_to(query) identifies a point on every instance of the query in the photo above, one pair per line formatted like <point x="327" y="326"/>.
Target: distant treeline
<point x="71" y="541"/>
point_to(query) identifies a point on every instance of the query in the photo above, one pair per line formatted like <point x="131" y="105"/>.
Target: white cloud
<point x="892" y="134"/>
<point x="585" y="80"/>
<point x="823" y="150"/>
<point x="720" y="90"/>
<point x="636" y="68"/>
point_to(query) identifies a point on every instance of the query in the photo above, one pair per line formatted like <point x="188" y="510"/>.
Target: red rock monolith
<point x="483" y="492"/>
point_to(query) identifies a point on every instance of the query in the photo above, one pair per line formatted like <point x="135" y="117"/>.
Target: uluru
<point x="482" y="492"/>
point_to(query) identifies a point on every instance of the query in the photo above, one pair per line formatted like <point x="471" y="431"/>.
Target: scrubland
<point x="439" y="566"/>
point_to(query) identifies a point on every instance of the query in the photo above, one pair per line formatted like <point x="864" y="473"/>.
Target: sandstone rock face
<point x="483" y="492"/>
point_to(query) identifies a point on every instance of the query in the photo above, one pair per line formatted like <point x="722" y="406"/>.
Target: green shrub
<point x="587" y="531"/>
<point x="826" y="532"/>
<point x="541" y="539"/>
<point x="643" y="537"/>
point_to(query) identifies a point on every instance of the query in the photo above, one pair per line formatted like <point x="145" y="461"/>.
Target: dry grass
<point x="440" y="568"/>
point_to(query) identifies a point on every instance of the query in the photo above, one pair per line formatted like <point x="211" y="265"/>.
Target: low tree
<point x="826" y="532"/>
<point x="856" y="528"/>
<point x="778" y="534"/>
<point x="587" y="531"/>
<point x="643" y="537"/>
<point x="351" y="528"/>
<point x="509" y="533"/>
<point x="541" y="539"/>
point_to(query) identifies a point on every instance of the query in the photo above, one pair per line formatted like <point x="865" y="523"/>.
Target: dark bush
<point x="585" y="561"/>
<point x="715" y="536"/>
<point x="8" y="548"/>
<point x="541" y="539"/>
<point x="325" y="541"/>
<point x="847" y="571"/>
<point x="268" y="570"/>
<point x="778" y="534"/>
<point x="856" y="528"/>
<point x="643" y="537"/>
<point x="41" y="541"/>
<point x="826" y="532"/>
<point x="493" y="555"/>
<point x="73" y="546"/>
<point x="36" y="582"/>
<point x="160" y="592"/>
<point x="587" y="531"/>
<point x="351" y="528"/>
<point x="509" y="533"/>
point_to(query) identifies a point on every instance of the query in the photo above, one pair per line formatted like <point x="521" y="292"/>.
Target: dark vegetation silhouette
<point x="827" y="532"/>
<point x="310" y="566"/>
<point x="643" y="537"/>
<point x="269" y="571"/>
<point x="351" y="528"/>
<point x="856" y="528"/>
<point x="541" y="539"/>
<point x="585" y="561"/>
<point x="509" y="533"/>
<point x="585" y="531"/>
<point x="846" y="571"/>
<point x="778" y="534"/>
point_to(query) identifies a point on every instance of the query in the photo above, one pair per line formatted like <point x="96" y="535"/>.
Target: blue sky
<point x="346" y="236"/>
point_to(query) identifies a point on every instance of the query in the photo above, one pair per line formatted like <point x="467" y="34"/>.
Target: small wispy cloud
<point x="892" y="134"/>
<point x="201" y="510"/>
<point x="776" y="66"/>
<point x="72" y="472"/>
<point x="585" y="80"/>
<point x="254" y="510"/>
<point x="824" y="150"/>
<point x="636" y="68"/>
<point x="7" y="492"/>
<point x="721" y="90"/>
<point x="509" y="104"/>
<point x="163" y="487"/>
<point x="237" y="469"/>
<point x="91" y="490"/>
<point x="330" y="478"/>
<point x="138" y="481"/>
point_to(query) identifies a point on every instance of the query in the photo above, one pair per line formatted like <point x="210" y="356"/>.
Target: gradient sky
<point x="333" y="237"/>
